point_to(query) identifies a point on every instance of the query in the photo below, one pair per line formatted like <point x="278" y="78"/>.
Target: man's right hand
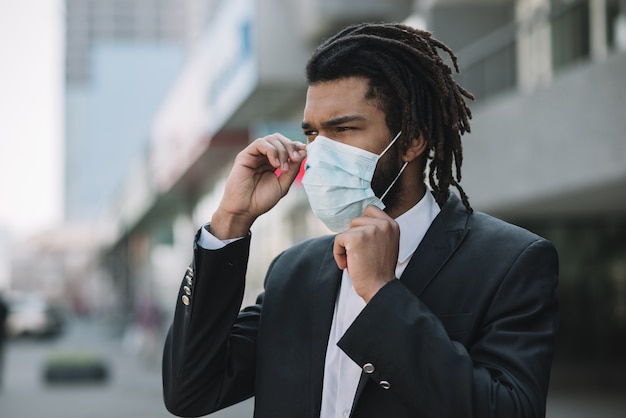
<point x="253" y="187"/>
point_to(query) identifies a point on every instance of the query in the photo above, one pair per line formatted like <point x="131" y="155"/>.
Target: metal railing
<point x="490" y="65"/>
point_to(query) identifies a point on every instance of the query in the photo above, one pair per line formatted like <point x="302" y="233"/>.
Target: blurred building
<point x="547" y="148"/>
<point x="120" y="59"/>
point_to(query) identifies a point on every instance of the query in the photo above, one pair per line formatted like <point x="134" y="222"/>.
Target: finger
<point x="339" y="252"/>
<point x="375" y="212"/>
<point x="265" y="148"/>
<point x="287" y="177"/>
<point x="296" y="150"/>
<point x="371" y="214"/>
<point x="278" y="151"/>
<point x="285" y="151"/>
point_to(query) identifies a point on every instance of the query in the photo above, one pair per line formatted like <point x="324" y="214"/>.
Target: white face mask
<point x="338" y="181"/>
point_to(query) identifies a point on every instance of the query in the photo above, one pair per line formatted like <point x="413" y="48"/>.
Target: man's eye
<point x="310" y="136"/>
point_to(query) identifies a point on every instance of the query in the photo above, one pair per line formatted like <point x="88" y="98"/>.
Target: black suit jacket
<point x="467" y="331"/>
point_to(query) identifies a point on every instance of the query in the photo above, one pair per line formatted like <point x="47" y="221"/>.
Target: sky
<point x="31" y="115"/>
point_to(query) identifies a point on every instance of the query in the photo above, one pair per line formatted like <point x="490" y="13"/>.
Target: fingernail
<point x="285" y="166"/>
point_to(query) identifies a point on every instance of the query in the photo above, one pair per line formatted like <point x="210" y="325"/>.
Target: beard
<point x="386" y="171"/>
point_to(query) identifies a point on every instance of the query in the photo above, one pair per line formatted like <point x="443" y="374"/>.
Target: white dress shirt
<point x="341" y="374"/>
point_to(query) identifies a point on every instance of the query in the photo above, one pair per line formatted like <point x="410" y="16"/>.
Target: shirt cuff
<point x="208" y="241"/>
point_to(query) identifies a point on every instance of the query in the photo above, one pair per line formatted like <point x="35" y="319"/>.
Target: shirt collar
<point x="414" y="223"/>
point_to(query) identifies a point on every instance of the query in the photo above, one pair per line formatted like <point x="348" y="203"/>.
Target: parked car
<point x="32" y="315"/>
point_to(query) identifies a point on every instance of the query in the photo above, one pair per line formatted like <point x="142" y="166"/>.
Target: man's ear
<point x="415" y="148"/>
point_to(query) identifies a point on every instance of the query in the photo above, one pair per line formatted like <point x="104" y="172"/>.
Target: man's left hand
<point x="369" y="251"/>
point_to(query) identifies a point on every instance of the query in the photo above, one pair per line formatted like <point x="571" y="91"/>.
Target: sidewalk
<point x="133" y="389"/>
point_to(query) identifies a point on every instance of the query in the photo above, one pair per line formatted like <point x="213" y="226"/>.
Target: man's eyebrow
<point x="336" y="122"/>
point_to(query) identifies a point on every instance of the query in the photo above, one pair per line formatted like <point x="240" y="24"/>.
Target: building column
<point x="620" y="27"/>
<point x="534" y="51"/>
<point x="598" y="28"/>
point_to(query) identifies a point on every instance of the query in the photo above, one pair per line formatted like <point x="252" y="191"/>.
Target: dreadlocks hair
<point x="413" y="86"/>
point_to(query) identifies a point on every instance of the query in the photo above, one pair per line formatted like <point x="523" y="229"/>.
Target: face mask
<point x="338" y="181"/>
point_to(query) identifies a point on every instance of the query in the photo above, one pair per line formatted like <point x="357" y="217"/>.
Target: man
<point x="4" y="313"/>
<point x="417" y="307"/>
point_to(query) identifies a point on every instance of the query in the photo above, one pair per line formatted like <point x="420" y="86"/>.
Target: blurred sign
<point x="220" y="75"/>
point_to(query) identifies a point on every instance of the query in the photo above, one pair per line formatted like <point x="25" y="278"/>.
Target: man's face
<point x="339" y="110"/>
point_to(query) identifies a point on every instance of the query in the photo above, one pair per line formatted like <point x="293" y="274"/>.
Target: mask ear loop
<point x="390" y="144"/>
<point x="401" y="170"/>
<point x="394" y="181"/>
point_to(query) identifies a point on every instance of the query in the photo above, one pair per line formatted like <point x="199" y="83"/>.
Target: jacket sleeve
<point x="209" y="354"/>
<point x="503" y="371"/>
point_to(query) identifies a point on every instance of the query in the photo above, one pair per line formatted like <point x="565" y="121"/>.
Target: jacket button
<point x="187" y="290"/>
<point x="368" y="368"/>
<point x="385" y="385"/>
<point x="188" y="279"/>
<point x="185" y="300"/>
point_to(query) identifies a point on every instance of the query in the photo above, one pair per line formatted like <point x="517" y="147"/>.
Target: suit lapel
<point x="441" y="240"/>
<point x="324" y="295"/>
